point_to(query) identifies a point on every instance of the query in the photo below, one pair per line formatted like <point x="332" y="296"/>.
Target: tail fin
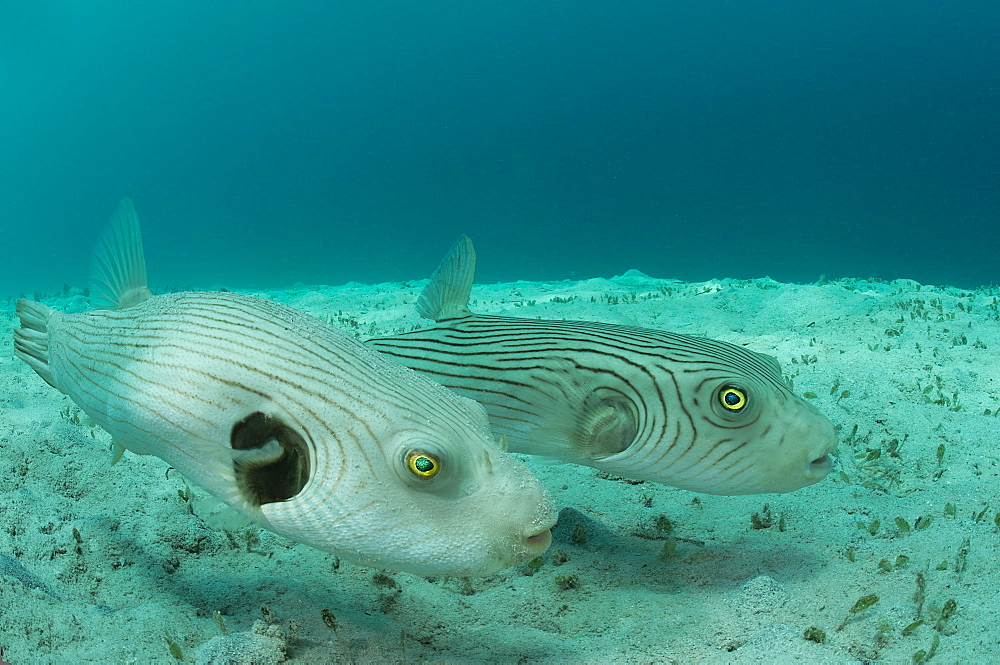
<point x="447" y="295"/>
<point x="118" y="267"/>
<point x="31" y="340"/>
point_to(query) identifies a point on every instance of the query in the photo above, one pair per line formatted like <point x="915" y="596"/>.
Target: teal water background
<point x="269" y="143"/>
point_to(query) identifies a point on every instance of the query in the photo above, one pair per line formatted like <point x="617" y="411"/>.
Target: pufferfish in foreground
<point x="698" y="414"/>
<point x="295" y="424"/>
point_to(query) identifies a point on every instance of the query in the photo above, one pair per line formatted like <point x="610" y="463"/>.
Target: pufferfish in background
<point x="695" y="413"/>
<point x="293" y="423"/>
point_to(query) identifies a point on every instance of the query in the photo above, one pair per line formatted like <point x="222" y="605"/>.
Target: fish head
<point x="470" y="508"/>
<point x="724" y="421"/>
<point x="431" y="496"/>
<point x="749" y="433"/>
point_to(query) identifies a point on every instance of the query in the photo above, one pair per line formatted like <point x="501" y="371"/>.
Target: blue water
<point x="267" y="143"/>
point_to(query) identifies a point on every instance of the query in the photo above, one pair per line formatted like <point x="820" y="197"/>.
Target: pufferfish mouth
<point x="540" y="541"/>
<point x="821" y="466"/>
<point x="533" y="544"/>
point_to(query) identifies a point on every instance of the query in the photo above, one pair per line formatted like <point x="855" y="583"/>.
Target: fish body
<point x="694" y="413"/>
<point x="294" y="424"/>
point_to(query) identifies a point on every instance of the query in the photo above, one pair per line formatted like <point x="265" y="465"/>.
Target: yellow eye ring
<point x="422" y="465"/>
<point x="732" y="399"/>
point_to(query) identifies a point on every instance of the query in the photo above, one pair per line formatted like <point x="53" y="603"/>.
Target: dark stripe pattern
<point x="173" y="375"/>
<point x="541" y="380"/>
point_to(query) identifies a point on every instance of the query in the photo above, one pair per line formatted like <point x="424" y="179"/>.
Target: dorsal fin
<point x="118" y="266"/>
<point x="447" y="295"/>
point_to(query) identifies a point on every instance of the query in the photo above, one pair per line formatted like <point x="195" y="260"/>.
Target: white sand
<point x="98" y="562"/>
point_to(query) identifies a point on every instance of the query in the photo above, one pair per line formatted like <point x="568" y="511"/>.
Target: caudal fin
<point x="447" y="295"/>
<point x="31" y="340"/>
<point x="118" y="267"/>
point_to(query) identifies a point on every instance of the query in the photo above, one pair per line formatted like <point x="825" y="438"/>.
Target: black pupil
<point x="732" y="399"/>
<point x="423" y="464"/>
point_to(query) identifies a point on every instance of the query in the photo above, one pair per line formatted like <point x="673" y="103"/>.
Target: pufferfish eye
<point x="422" y="464"/>
<point x="733" y="399"/>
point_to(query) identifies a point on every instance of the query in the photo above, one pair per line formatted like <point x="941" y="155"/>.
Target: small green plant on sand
<point x="862" y="604"/>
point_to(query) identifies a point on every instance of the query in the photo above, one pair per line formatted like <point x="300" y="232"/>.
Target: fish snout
<point x="535" y="536"/>
<point x="819" y="468"/>
<point x="538" y="542"/>
<point x="819" y="462"/>
<point x="530" y="544"/>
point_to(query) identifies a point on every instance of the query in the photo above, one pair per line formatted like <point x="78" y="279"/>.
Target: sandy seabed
<point x="108" y="564"/>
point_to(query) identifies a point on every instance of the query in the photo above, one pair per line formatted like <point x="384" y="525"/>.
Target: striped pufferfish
<point x="295" y="424"/>
<point x="698" y="414"/>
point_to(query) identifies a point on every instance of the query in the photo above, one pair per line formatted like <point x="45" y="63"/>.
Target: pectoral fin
<point x="594" y="428"/>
